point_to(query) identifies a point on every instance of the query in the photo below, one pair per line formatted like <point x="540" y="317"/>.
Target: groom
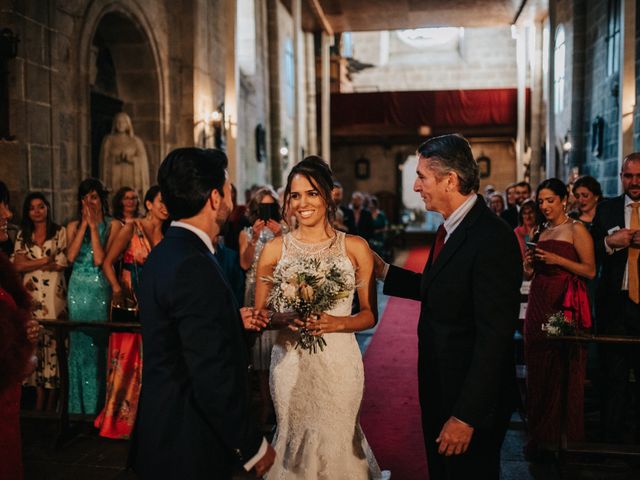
<point x="193" y="420"/>
<point x="470" y="294"/>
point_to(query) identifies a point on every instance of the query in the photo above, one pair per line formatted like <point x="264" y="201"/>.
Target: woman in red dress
<point x="559" y="265"/>
<point x="18" y="336"/>
<point x="134" y="242"/>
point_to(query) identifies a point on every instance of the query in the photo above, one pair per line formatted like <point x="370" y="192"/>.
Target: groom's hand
<point x="252" y="319"/>
<point x="264" y="464"/>
<point x="454" y="437"/>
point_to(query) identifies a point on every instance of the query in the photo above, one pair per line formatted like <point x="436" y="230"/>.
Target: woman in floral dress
<point x="134" y="242"/>
<point x="40" y="255"/>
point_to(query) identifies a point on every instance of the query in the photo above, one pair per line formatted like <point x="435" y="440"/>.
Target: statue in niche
<point x="123" y="160"/>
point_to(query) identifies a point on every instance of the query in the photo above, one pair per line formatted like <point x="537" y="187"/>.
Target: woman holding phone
<point x="559" y="263"/>
<point x="263" y="212"/>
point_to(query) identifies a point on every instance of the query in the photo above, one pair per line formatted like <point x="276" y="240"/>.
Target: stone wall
<point x="169" y="59"/>
<point x="386" y="161"/>
<point x="600" y="100"/>
<point x="478" y="58"/>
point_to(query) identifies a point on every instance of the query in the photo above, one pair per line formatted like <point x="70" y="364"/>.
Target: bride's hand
<point x="324" y="323"/>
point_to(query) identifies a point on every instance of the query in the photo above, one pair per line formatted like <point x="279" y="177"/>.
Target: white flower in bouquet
<point x="558" y="324"/>
<point x="308" y="286"/>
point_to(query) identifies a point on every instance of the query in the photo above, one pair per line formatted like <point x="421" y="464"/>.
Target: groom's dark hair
<point x="187" y="176"/>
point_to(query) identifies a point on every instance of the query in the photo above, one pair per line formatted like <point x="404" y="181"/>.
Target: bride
<point x="317" y="396"/>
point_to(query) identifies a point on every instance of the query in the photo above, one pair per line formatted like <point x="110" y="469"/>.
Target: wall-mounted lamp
<point x="284" y="152"/>
<point x="566" y="144"/>
<point x="215" y="121"/>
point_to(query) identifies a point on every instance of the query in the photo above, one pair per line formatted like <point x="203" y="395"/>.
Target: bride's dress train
<point x="317" y="396"/>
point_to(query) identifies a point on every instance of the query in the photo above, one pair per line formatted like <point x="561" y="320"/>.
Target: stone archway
<point x="123" y="76"/>
<point x="122" y="68"/>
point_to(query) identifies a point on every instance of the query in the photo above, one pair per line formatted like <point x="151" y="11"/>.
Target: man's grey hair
<point x="452" y="153"/>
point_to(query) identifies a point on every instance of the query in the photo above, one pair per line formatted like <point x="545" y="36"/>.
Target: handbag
<point x="125" y="311"/>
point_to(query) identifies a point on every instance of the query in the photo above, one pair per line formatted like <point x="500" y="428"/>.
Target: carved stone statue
<point x="123" y="160"/>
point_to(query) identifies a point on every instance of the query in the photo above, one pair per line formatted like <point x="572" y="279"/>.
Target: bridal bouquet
<point x="559" y="325"/>
<point x="308" y="286"/>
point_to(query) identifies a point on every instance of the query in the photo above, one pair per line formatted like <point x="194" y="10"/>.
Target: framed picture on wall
<point x="363" y="168"/>
<point x="484" y="165"/>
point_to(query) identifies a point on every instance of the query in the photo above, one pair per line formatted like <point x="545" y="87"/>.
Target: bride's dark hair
<point x="317" y="171"/>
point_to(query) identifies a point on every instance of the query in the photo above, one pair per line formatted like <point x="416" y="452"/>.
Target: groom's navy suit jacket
<point x="193" y="418"/>
<point x="470" y="300"/>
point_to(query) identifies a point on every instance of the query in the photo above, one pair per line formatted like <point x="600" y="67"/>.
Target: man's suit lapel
<point x="618" y="212"/>
<point x="455" y="241"/>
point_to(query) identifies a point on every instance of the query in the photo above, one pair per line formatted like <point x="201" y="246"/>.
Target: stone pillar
<point x="521" y="55"/>
<point x="551" y="117"/>
<point x="537" y="108"/>
<point x="577" y="153"/>
<point x="275" y="122"/>
<point x="231" y="88"/>
<point x="310" y="107"/>
<point x="325" y="96"/>
<point x="298" y="63"/>
<point x="627" y="78"/>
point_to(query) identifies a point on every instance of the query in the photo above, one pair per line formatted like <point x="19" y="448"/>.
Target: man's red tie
<point x="438" y="243"/>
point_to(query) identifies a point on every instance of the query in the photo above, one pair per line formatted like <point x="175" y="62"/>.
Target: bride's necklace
<point x="549" y="226"/>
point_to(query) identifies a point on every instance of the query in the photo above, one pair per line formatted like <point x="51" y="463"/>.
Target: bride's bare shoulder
<point x="355" y="243"/>
<point x="357" y="246"/>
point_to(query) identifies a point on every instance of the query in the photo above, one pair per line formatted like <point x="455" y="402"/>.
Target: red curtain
<point x="440" y="110"/>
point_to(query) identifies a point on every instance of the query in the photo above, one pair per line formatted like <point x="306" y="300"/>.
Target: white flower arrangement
<point x="558" y="324"/>
<point x="308" y="286"/>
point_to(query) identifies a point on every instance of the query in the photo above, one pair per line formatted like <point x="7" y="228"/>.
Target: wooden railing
<point x="566" y="447"/>
<point x="62" y="328"/>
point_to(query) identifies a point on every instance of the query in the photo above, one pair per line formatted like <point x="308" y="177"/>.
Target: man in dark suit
<point x="194" y="420"/>
<point x="517" y="193"/>
<point x="616" y="232"/>
<point x="510" y="214"/>
<point x="470" y="295"/>
<point x="362" y="217"/>
<point x="348" y="219"/>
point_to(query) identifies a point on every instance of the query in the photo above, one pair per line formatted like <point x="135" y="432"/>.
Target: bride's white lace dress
<point x="317" y="396"/>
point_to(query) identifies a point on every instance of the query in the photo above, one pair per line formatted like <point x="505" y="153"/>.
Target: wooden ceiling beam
<point x="318" y="11"/>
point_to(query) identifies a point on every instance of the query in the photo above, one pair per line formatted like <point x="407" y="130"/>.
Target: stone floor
<point x="87" y="456"/>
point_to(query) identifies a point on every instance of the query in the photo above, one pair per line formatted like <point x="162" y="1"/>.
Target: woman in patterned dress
<point x="87" y="297"/>
<point x="134" y="242"/>
<point x="40" y="255"/>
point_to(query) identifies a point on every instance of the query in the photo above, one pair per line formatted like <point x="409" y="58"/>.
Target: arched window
<point x="247" y="36"/>
<point x="559" y="64"/>
<point x="289" y="76"/>
<point x="613" y="38"/>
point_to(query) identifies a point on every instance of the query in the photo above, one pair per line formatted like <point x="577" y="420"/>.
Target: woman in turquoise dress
<point x="88" y="297"/>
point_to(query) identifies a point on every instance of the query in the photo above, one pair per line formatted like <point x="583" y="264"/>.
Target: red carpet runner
<point x="390" y="414"/>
